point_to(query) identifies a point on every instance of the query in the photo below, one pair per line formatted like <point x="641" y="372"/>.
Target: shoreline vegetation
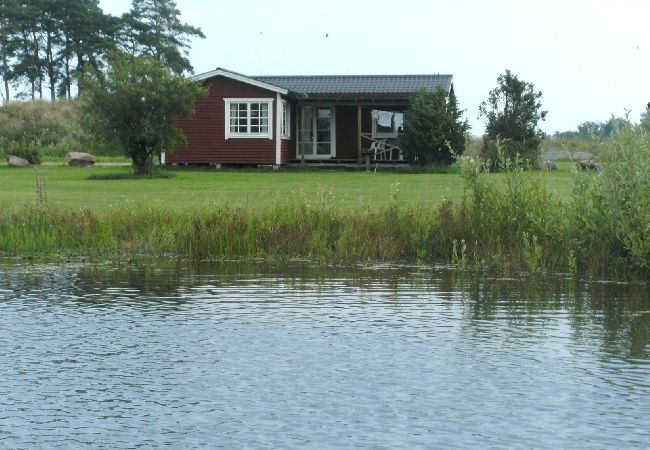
<point x="602" y="230"/>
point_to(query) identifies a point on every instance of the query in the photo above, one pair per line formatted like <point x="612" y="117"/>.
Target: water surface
<point x="167" y="354"/>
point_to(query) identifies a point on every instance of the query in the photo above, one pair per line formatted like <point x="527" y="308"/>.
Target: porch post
<point x="278" y="130"/>
<point x="359" y="151"/>
<point x="299" y="135"/>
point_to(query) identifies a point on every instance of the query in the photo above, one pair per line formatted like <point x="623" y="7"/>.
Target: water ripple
<point x="162" y="356"/>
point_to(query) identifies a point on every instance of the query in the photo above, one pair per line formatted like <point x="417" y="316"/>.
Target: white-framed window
<point x="249" y="118"/>
<point x="286" y="119"/>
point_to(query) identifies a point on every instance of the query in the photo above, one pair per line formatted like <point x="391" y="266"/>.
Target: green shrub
<point x="612" y="208"/>
<point x="26" y="150"/>
<point x="54" y="127"/>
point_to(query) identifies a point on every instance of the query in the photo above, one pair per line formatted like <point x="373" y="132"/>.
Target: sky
<point x="590" y="58"/>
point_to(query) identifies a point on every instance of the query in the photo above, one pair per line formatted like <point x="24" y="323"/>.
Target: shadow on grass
<point x="129" y="176"/>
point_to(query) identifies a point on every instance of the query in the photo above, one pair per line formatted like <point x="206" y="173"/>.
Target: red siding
<point x="205" y="131"/>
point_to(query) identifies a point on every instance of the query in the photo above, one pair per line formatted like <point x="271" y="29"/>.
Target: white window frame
<point x="285" y="119"/>
<point x="233" y="135"/>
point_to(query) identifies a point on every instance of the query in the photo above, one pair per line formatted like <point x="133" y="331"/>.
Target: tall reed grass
<point x="515" y="225"/>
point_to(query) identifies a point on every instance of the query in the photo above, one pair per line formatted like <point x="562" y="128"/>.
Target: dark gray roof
<point x="358" y="84"/>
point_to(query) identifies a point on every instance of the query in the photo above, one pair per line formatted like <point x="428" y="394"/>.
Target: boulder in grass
<point x="15" y="161"/>
<point x="550" y="165"/>
<point x="80" y="159"/>
<point x="585" y="164"/>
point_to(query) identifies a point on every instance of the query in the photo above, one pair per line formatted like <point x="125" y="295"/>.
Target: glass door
<point x="316" y="132"/>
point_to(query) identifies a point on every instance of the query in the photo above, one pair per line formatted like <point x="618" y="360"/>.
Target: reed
<point x="513" y="224"/>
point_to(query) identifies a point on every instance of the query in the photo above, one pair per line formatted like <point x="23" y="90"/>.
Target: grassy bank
<point x="74" y="188"/>
<point x="514" y="220"/>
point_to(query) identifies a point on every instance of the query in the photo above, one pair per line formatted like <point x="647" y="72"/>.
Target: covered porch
<point x="348" y="133"/>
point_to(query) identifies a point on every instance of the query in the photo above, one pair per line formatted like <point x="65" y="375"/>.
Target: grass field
<point x="74" y="188"/>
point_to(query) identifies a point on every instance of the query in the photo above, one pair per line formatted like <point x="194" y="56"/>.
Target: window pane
<point x="323" y="149"/>
<point x="249" y="118"/>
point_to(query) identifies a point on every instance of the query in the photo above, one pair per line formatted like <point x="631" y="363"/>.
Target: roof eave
<point x="240" y="78"/>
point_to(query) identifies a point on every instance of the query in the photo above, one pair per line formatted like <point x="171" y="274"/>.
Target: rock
<point x="550" y="165"/>
<point x="15" y="161"/>
<point x="80" y="159"/>
<point x="589" y="165"/>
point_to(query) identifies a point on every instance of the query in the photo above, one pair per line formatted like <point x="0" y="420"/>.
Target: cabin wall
<point x="205" y="131"/>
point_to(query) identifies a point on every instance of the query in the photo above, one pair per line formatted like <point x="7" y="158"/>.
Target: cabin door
<point x="317" y="132"/>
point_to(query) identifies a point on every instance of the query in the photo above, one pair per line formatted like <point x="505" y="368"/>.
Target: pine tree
<point x="8" y="11"/>
<point x="153" y="28"/>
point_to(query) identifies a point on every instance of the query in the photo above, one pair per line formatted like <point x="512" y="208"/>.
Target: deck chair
<point x="378" y="149"/>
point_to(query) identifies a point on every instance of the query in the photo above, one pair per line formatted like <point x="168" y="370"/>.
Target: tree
<point x="153" y="28"/>
<point x="86" y="39"/>
<point x="8" y="29"/>
<point x="134" y="106"/>
<point x="434" y="128"/>
<point x="645" y="118"/>
<point x="512" y="112"/>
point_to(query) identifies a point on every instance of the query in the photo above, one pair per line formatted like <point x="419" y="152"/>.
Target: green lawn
<point x="68" y="187"/>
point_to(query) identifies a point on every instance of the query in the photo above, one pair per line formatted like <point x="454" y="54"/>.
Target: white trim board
<point x="238" y="77"/>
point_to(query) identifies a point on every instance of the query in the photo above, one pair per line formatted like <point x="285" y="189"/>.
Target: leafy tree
<point x="153" y="28"/>
<point x="135" y="106"/>
<point x="434" y="128"/>
<point x="512" y="112"/>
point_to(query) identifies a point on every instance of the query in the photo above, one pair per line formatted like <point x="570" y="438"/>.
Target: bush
<point x="435" y="131"/>
<point x="612" y="208"/>
<point x="26" y="150"/>
<point x="52" y="127"/>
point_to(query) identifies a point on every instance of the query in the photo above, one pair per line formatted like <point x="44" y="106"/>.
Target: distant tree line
<point x="48" y="46"/>
<point x="594" y="129"/>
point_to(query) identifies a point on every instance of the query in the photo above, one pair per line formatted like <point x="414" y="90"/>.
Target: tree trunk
<point x="142" y="162"/>
<point x="51" y="69"/>
<point x="80" y="71"/>
<point x="5" y="67"/>
<point x="68" y="82"/>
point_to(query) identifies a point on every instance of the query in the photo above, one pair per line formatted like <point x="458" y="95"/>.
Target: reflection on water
<point x="168" y="354"/>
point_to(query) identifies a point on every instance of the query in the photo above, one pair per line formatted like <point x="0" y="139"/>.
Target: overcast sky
<point x="589" y="58"/>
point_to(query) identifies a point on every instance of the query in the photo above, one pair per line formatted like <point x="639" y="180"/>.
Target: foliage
<point x="512" y="112"/>
<point x="435" y="131"/>
<point x="645" y="119"/>
<point x="153" y="28"/>
<point x="612" y="208"/>
<point x="591" y="129"/>
<point x="504" y="222"/>
<point x="51" y="44"/>
<point x="52" y="127"/>
<point x="26" y="150"/>
<point x="135" y="105"/>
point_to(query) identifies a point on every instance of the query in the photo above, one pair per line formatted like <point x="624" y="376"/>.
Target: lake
<point x="172" y="354"/>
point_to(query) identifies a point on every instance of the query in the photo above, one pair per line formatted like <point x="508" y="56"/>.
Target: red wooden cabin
<point x="275" y="120"/>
